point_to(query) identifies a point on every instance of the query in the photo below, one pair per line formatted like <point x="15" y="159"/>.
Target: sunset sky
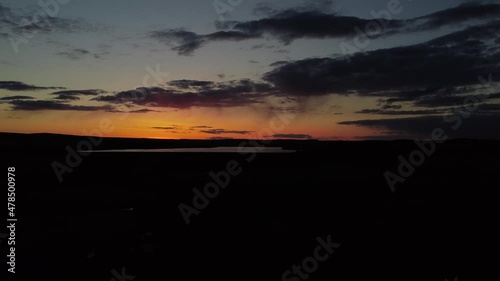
<point x="198" y="69"/>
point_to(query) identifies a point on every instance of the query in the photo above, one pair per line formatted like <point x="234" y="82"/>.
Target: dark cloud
<point x="223" y="131"/>
<point x="74" y="94"/>
<point x="264" y="9"/>
<point x="27" y="22"/>
<point x="476" y="126"/>
<point x="79" y="92"/>
<point x="220" y="138"/>
<point x="258" y="46"/>
<point x="186" y="42"/>
<point x="143" y="110"/>
<point x="487" y="107"/>
<point x="270" y="8"/>
<point x="74" y="54"/>
<point x="282" y="51"/>
<point x="108" y="98"/>
<point x="378" y="137"/>
<point x="189" y="93"/>
<point x="292" y="136"/>
<point x="436" y="98"/>
<point x="390" y="106"/>
<point x="291" y="25"/>
<point x="410" y="95"/>
<point x="168" y="128"/>
<point x="17" y="98"/>
<point x="66" y="97"/>
<point x="20" y="86"/>
<point x="263" y="46"/>
<point x="445" y="62"/>
<point x="460" y="14"/>
<point x="401" y="112"/>
<point x="186" y="84"/>
<point x="318" y="23"/>
<point x="200" y="127"/>
<point x="432" y="97"/>
<point x="78" y="54"/>
<point x="38" y="105"/>
<point x="446" y="100"/>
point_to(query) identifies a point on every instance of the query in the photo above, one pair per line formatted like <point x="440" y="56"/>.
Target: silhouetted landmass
<point x="119" y="210"/>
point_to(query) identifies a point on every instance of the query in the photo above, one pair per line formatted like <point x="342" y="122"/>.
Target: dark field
<point x="121" y="210"/>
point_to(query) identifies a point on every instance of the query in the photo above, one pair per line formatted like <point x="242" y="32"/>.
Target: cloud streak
<point x="476" y="126"/>
<point x="16" y="98"/>
<point x="78" y="54"/>
<point x="71" y="95"/>
<point x="40" y="105"/>
<point x="17" y="86"/>
<point x="223" y="131"/>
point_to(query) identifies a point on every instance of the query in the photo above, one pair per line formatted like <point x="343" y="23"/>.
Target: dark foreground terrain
<point x="118" y="213"/>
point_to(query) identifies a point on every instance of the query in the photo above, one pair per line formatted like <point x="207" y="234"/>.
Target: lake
<point x="224" y="149"/>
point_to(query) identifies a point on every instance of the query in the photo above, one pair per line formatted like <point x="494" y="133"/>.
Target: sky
<point x="298" y="69"/>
